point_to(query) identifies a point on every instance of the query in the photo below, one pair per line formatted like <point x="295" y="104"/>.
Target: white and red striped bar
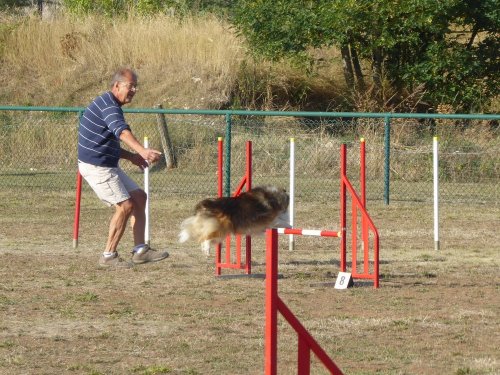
<point x="309" y="232"/>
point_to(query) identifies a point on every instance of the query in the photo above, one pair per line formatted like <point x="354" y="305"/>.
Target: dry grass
<point x="435" y="312"/>
<point x="176" y="58"/>
<point x="196" y="62"/>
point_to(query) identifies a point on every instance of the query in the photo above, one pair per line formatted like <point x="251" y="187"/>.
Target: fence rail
<point x="38" y="150"/>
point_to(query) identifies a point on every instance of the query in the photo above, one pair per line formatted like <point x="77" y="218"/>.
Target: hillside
<point x="194" y="63"/>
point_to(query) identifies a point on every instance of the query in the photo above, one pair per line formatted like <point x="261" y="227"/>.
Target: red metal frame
<point x="246" y="181"/>
<point x="274" y="304"/>
<point x="358" y="204"/>
<point x="219" y="194"/>
<point x="343" y="205"/>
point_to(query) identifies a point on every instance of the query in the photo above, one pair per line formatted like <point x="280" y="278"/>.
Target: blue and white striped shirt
<point x="99" y="132"/>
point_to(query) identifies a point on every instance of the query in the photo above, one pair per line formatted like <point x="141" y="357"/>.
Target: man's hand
<point x="138" y="160"/>
<point x="150" y="155"/>
<point x="143" y="156"/>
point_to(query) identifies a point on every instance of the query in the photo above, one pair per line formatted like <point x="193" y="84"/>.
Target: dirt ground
<point x="436" y="312"/>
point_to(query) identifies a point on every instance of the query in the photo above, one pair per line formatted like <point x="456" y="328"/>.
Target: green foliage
<point x="108" y="8"/>
<point x="5" y="30"/>
<point x="410" y="42"/>
<point x="112" y="8"/>
<point x="456" y="75"/>
<point x="146" y="7"/>
<point x="14" y="3"/>
<point x="279" y="28"/>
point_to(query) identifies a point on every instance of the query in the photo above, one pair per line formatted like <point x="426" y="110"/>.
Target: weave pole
<point x="435" y="167"/>
<point x="146" y="190"/>
<point x="76" y="223"/>
<point x="291" y="207"/>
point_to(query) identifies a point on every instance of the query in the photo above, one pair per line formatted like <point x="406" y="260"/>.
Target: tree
<point x="408" y="43"/>
<point x="112" y="8"/>
<point x="14" y="3"/>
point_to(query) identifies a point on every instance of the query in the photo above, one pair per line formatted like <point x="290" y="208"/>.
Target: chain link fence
<point x="38" y="151"/>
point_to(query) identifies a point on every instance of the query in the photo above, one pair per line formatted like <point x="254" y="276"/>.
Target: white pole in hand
<point x="146" y="189"/>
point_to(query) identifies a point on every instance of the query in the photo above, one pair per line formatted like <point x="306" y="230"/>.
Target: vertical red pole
<point x="248" y="255"/>
<point x="376" y="261"/>
<point x="343" y="231"/>
<point x="303" y="358"/>
<point x="364" y="224"/>
<point x="76" y="224"/>
<point x="248" y="239"/>
<point x="238" y="250"/>
<point x="228" y="249"/>
<point x="354" y="236"/>
<point x="220" y="154"/>
<point x="219" y="194"/>
<point x="271" y="329"/>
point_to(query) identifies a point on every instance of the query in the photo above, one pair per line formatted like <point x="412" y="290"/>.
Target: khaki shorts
<point x="111" y="185"/>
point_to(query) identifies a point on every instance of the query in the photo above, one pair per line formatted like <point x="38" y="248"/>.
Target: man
<point x="102" y="127"/>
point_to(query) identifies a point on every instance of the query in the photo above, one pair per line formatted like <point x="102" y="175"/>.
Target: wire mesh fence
<point x="38" y="151"/>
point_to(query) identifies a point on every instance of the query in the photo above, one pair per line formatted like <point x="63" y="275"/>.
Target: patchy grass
<point x="435" y="312"/>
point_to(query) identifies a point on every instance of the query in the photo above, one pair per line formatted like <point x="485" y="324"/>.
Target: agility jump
<point x="358" y="211"/>
<point x="246" y="181"/>
<point x="274" y="304"/>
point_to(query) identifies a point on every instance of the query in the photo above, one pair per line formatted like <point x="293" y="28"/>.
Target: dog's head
<point x="282" y="198"/>
<point x="275" y="197"/>
<point x="278" y="200"/>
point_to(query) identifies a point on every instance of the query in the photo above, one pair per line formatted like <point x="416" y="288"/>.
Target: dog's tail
<point x="198" y="228"/>
<point x="186" y="229"/>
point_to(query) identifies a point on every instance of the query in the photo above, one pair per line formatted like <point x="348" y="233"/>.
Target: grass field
<point x="436" y="312"/>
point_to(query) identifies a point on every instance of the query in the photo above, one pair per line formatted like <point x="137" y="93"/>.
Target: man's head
<point x="124" y="85"/>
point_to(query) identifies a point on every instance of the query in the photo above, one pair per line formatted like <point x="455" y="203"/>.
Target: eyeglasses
<point x="130" y="86"/>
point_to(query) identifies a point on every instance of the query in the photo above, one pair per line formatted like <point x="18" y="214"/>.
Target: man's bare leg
<point x="138" y="198"/>
<point x="117" y="225"/>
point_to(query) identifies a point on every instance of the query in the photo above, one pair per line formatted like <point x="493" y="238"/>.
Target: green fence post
<point x="387" y="156"/>
<point x="227" y="159"/>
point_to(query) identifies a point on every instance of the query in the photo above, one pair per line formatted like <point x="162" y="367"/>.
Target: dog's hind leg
<point x="205" y="247"/>
<point x="184" y="235"/>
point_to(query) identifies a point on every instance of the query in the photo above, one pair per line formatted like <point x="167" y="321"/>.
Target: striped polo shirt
<point x="99" y="132"/>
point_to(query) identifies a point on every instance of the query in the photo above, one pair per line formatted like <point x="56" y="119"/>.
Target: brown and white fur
<point x="249" y="213"/>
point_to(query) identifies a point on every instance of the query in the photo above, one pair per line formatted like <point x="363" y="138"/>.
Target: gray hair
<point x="121" y="74"/>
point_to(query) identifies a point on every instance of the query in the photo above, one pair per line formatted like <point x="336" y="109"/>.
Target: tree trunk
<point x="357" y="68"/>
<point x="347" y="66"/>
<point x="40" y="7"/>
<point x="475" y="30"/>
<point x="377" y="73"/>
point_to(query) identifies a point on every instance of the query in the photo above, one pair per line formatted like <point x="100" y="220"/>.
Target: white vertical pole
<point x="146" y="189"/>
<point x="436" y="192"/>
<point x="291" y="206"/>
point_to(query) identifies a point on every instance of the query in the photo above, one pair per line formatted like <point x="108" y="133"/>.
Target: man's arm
<point x="142" y="154"/>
